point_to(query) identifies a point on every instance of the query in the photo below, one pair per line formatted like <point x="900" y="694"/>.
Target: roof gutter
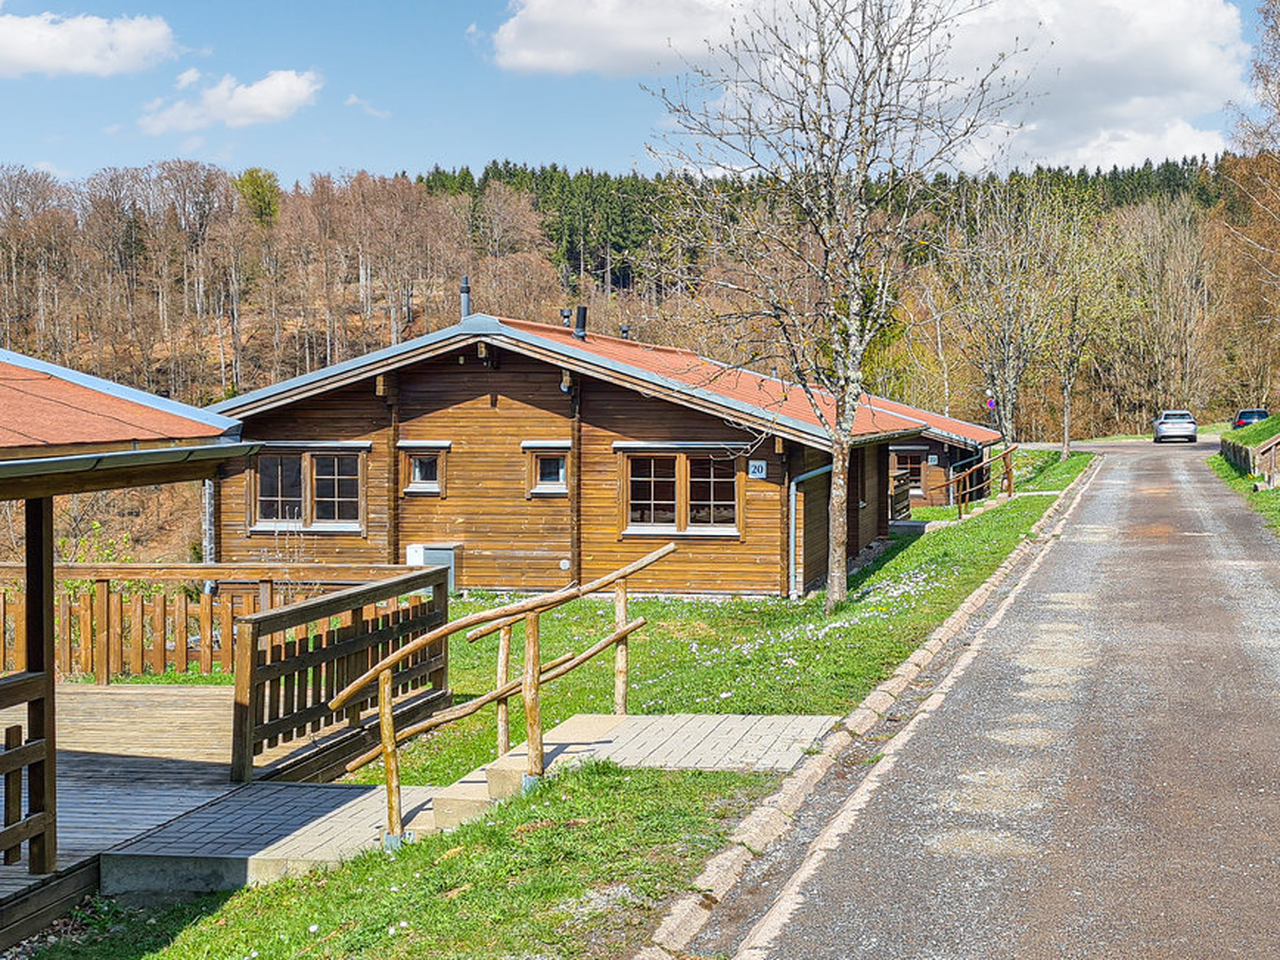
<point x="86" y="462"/>
<point x="794" y="590"/>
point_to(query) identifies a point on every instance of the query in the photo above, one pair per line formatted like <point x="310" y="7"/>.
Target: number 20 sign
<point x="757" y="469"/>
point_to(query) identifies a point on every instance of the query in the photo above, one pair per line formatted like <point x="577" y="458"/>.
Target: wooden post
<point x="1008" y="470"/>
<point x="101" y="617"/>
<point x="245" y="713"/>
<point x="42" y="778"/>
<point x="620" y="648"/>
<point x="390" y="756"/>
<point x="226" y="616"/>
<point x="137" y="635"/>
<point x="159" y="632"/>
<point x="180" y="617"/>
<point x="504" y="669"/>
<point x="13" y="791"/>
<point x="264" y="595"/>
<point x="115" y="632"/>
<point x="532" y="707"/>
<point x="206" y="632"/>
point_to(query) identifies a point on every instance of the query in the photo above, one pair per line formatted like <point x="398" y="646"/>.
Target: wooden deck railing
<point x="484" y="623"/>
<point x="966" y="493"/>
<point x="121" y="619"/>
<point x="292" y="660"/>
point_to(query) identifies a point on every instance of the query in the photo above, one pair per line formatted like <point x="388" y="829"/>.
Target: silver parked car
<point x="1175" y="425"/>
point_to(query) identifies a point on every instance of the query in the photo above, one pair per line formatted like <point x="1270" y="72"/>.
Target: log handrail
<point x="500" y="620"/>
<point x="536" y="604"/>
<point x="301" y="573"/>
<point x="1006" y="458"/>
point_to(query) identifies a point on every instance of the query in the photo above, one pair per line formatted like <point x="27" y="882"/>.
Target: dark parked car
<point x="1175" y="425"/>
<point x="1246" y="417"/>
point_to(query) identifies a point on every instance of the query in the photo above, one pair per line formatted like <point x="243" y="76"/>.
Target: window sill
<point x="549" y="491"/>
<point x="691" y="532"/>
<point x="423" y="489"/>
<point x="269" y="528"/>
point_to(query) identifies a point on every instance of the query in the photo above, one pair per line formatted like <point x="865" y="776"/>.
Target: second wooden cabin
<point x="524" y="455"/>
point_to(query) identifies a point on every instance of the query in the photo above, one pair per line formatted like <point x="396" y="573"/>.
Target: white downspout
<point x="791" y="533"/>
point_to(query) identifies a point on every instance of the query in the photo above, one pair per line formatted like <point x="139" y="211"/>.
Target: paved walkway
<point x="264" y="831"/>
<point x="1103" y="780"/>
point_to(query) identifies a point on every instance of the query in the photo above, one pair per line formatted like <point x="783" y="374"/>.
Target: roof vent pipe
<point x="466" y="297"/>
<point x="625" y="330"/>
<point x="565" y="314"/>
<point x="580" y="324"/>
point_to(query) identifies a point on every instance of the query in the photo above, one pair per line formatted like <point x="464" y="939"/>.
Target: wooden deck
<point x="130" y="757"/>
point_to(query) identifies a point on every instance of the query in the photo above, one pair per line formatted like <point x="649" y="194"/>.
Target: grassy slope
<point x="578" y="868"/>
<point x="1265" y="502"/>
<point x="734" y="656"/>
<point x="1255" y="433"/>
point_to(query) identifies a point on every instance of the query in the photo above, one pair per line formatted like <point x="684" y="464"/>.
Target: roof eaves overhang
<point x="91" y="462"/>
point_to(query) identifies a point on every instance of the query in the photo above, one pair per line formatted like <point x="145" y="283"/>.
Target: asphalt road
<point x="1104" y="779"/>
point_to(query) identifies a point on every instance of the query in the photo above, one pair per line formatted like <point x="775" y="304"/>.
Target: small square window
<point x="549" y="474"/>
<point x="424" y="473"/>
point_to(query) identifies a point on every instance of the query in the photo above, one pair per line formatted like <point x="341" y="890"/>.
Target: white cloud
<point x="277" y="96"/>
<point x="187" y="77"/>
<point x="1115" y="81"/>
<point x="366" y="106"/>
<point x="610" y="37"/>
<point x="55" y="45"/>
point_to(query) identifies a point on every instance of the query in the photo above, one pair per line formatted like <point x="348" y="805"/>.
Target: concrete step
<point x="569" y="742"/>
<point x="465" y="800"/>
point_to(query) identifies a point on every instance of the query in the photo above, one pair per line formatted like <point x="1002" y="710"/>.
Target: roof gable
<point x="677" y="375"/>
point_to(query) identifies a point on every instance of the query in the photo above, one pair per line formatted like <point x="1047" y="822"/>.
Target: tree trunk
<point x="1066" y="420"/>
<point x="838" y="525"/>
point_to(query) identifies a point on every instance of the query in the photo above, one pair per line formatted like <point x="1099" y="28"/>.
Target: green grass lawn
<point x="578" y="868"/>
<point x="731" y="655"/>
<point x="1033" y="470"/>
<point x="1265" y="502"/>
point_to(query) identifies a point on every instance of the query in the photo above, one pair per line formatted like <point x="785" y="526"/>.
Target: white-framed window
<point x="308" y="487"/>
<point x="423" y="465"/>
<point x="697" y="492"/>
<point x="546" y="467"/>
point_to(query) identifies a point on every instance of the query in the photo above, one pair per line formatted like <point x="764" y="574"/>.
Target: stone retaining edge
<point x="774" y="816"/>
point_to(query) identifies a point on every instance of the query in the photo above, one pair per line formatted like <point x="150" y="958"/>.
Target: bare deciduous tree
<point x="803" y="157"/>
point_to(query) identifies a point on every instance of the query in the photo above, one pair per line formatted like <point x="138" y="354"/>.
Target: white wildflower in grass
<point x="314" y="928"/>
<point x="391" y="930"/>
<point x="395" y="889"/>
<point x="404" y="924"/>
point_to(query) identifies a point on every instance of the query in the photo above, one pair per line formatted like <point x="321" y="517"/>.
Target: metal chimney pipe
<point x="580" y="324"/>
<point x="625" y="330"/>
<point x="466" y="297"/>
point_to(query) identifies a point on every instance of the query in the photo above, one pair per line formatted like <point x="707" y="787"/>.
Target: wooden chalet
<point x="945" y="448"/>
<point x="64" y="432"/>
<point x="524" y="455"/>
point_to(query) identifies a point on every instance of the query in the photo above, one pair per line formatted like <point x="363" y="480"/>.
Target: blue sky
<point x="300" y="87"/>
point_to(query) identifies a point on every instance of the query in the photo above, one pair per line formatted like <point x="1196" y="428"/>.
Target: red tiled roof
<point x="978" y="436"/>
<point x="744" y="386"/>
<point x="38" y="409"/>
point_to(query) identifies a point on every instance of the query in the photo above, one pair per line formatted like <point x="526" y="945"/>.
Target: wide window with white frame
<point x="696" y="491"/>
<point x="318" y="488"/>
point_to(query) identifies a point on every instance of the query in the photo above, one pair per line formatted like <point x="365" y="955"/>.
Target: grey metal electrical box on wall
<point x="433" y="555"/>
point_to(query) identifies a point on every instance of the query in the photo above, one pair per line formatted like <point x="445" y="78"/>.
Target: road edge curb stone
<point x="773" y="817"/>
